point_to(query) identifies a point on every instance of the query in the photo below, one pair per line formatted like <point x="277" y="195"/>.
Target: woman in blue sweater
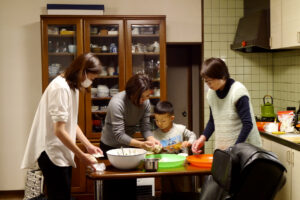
<point x="231" y="113"/>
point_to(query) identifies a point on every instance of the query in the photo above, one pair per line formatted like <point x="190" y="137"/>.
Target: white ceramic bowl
<point x="130" y="160"/>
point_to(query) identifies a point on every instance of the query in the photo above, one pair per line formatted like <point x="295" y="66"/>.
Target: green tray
<point x="168" y="160"/>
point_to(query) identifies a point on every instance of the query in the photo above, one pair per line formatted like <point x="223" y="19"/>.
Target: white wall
<point x="20" y="64"/>
<point x="183" y="17"/>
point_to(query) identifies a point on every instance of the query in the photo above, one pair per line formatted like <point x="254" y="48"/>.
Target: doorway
<point x="184" y="86"/>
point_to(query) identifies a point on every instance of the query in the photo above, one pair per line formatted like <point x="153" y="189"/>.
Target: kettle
<point x="267" y="109"/>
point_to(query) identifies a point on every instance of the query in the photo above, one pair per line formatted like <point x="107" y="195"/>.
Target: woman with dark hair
<point x="231" y="113"/>
<point x="52" y="139"/>
<point x="127" y="110"/>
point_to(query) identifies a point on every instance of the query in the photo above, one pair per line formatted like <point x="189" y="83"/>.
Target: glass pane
<point x="104" y="43"/>
<point x="146" y="58"/>
<point x="61" y="48"/>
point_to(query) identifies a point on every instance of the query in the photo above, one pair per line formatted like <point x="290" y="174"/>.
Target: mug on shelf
<point x="72" y="48"/>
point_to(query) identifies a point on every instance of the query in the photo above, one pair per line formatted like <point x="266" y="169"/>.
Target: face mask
<point x="87" y="82"/>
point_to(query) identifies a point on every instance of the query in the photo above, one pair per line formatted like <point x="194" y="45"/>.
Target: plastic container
<point x="168" y="160"/>
<point x="202" y="160"/>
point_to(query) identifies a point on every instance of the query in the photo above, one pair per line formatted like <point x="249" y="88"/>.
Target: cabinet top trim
<point x="108" y="16"/>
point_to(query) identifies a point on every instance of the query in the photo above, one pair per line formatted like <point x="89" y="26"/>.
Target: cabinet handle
<point x="288" y="157"/>
<point x="298" y="37"/>
<point x="292" y="159"/>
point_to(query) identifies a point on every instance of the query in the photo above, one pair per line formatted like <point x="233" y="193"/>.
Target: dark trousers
<point x="117" y="189"/>
<point x="57" y="179"/>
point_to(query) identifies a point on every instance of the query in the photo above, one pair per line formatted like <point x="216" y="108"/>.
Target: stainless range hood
<point x="253" y="31"/>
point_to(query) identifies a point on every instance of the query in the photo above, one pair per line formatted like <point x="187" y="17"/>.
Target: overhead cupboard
<point x="125" y="45"/>
<point x="285" y="24"/>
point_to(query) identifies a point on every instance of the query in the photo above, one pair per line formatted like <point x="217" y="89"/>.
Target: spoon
<point x="122" y="150"/>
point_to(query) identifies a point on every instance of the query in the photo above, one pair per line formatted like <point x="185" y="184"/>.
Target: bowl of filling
<point x="126" y="158"/>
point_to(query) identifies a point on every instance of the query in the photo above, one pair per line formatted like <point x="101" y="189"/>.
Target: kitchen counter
<point x="279" y="139"/>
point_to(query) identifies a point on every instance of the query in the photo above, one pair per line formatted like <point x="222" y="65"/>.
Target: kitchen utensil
<point x="130" y="160"/>
<point x="267" y="109"/>
<point x="278" y="132"/>
<point x="151" y="164"/>
<point x="168" y="160"/>
<point x="202" y="160"/>
<point x="122" y="150"/>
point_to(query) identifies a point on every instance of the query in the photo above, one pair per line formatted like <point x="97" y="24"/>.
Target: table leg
<point x="195" y="182"/>
<point x="98" y="190"/>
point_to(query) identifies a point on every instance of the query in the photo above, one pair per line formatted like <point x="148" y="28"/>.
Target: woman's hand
<point x="198" y="144"/>
<point x="148" y="145"/>
<point x="92" y="149"/>
<point x="87" y="159"/>
<point x="155" y="141"/>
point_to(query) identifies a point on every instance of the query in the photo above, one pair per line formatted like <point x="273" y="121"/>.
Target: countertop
<point x="280" y="140"/>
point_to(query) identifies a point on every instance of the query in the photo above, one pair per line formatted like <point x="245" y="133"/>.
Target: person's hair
<point x="136" y="86"/>
<point x="215" y="68"/>
<point x="164" y="107"/>
<point x="83" y="64"/>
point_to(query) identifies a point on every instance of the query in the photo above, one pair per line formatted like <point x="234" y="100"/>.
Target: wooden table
<point x="113" y="173"/>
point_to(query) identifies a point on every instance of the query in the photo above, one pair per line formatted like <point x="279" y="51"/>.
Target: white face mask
<point x="87" y="82"/>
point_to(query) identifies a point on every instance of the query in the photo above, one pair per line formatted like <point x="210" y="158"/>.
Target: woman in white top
<point x="52" y="139"/>
<point x="231" y="113"/>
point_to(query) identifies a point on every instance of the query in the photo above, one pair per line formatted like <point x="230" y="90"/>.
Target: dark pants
<point x="57" y="179"/>
<point x="117" y="189"/>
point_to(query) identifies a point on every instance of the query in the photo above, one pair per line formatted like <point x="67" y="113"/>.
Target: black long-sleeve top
<point x="243" y="109"/>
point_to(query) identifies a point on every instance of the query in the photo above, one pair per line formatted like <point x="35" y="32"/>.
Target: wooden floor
<point x="12" y="195"/>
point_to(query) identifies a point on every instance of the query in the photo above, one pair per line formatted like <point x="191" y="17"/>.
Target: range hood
<point x="253" y="31"/>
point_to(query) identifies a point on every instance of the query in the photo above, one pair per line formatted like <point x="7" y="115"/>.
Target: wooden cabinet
<point x="290" y="158"/>
<point x="125" y="45"/>
<point x="285" y="24"/>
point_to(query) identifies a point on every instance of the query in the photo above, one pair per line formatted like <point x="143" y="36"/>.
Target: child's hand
<point x="185" y="144"/>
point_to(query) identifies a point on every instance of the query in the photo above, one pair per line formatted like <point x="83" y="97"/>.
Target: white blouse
<point x="58" y="104"/>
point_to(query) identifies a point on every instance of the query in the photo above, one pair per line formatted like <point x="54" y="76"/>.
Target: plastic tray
<point x="202" y="160"/>
<point x="168" y="160"/>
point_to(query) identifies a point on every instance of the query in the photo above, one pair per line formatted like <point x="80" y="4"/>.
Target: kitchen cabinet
<point x="285" y="23"/>
<point x="125" y="45"/>
<point x="290" y="158"/>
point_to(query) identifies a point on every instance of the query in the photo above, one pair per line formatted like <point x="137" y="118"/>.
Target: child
<point x="169" y="133"/>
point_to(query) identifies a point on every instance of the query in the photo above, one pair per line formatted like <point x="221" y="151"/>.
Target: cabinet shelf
<point x="105" y="36"/>
<point x="154" y="97"/>
<point x="61" y="36"/>
<point x="114" y="76"/>
<point x="143" y="36"/>
<point x="105" y="54"/>
<point x="62" y="54"/>
<point x="99" y="112"/>
<point x="146" y="54"/>
<point x="101" y="98"/>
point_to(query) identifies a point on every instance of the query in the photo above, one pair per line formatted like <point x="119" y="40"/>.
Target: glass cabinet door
<point x="145" y="53"/>
<point x="104" y="38"/>
<point x="62" y="42"/>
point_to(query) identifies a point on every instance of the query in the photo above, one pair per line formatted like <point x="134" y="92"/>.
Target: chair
<point x="244" y="172"/>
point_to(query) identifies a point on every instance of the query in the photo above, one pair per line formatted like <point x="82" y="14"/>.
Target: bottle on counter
<point x="295" y="119"/>
<point x="297" y="123"/>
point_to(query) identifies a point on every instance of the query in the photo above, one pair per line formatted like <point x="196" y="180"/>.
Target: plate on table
<point x="168" y="160"/>
<point x="202" y="160"/>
